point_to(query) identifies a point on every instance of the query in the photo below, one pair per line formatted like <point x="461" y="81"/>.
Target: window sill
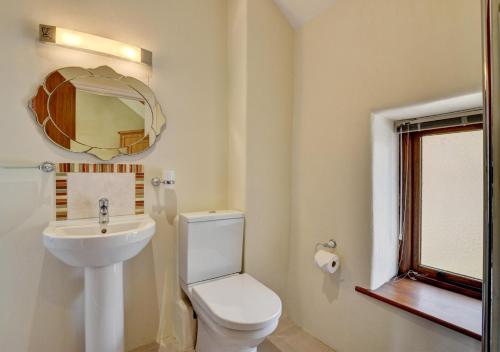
<point x="450" y="309"/>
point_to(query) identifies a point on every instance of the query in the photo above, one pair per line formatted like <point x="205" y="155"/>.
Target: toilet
<point x="235" y="311"/>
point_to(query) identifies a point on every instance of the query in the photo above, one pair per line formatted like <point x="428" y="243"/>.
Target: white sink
<point x="81" y="243"/>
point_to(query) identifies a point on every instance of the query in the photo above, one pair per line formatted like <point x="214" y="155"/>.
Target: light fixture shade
<point x="89" y="42"/>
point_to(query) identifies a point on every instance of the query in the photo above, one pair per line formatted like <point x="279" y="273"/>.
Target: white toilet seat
<point x="232" y="335"/>
<point x="238" y="302"/>
<point x="235" y="313"/>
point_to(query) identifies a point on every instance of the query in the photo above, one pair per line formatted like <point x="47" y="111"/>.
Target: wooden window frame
<point x="410" y="248"/>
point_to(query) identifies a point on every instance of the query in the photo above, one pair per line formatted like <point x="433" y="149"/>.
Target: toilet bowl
<point x="235" y="311"/>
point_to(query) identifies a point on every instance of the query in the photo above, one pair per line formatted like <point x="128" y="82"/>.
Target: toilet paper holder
<point x="330" y="244"/>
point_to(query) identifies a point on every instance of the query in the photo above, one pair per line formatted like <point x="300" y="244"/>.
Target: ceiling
<point x="300" y="11"/>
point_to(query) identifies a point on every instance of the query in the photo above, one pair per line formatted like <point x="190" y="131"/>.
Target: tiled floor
<point x="291" y="338"/>
<point x="287" y="338"/>
<point x="166" y="349"/>
<point x="151" y="348"/>
<point x="267" y="346"/>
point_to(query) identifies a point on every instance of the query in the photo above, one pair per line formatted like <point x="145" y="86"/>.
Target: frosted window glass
<point x="452" y="202"/>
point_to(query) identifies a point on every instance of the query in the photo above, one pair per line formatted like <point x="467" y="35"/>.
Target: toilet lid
<point x="238" y="302"/>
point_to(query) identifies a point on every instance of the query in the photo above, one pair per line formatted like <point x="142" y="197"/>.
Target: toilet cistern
<point x="235" y="312"/>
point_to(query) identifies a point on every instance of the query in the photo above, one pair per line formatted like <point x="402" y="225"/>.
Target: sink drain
<point x="103" y="231"/>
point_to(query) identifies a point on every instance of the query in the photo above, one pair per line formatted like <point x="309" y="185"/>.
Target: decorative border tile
<point x="139" y="193"/>
<point x="63" y="169"/>
<point x="61" y="195"/>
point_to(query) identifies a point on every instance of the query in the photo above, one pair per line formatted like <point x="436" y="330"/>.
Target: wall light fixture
<point x="89" y="42"/>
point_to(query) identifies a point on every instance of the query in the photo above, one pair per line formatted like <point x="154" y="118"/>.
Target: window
<point x="441" y="206"/>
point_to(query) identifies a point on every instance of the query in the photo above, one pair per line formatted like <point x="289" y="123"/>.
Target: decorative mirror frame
<point x="44" y="93"/>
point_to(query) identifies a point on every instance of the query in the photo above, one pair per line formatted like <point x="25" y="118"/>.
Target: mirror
<point x="97" y="111"/>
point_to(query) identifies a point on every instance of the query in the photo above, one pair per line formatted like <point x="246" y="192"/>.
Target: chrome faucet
<point x="103" y="211"/>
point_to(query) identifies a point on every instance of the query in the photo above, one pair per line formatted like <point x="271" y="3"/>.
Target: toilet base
<point x="207" y="342"/>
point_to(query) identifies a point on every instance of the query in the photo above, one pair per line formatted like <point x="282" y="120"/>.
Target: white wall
<point x="358" y="57"/>
<point x="260" y="100"/>
<point x="41" y="298"/>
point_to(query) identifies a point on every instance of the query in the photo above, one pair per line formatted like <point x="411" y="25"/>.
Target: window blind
<point x="455" y="119"/>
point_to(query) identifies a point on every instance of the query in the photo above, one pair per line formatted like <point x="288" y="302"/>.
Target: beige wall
<point x="260" y="100"/>
<point x="269" y="109"/>
<point x="40" y="298"/>
<point x="358" y="57"/>
<point x="237" y="102"/>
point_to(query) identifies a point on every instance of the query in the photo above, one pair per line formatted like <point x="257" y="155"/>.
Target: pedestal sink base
<point x="81" y="243"/>
<point x="104" y="322"/>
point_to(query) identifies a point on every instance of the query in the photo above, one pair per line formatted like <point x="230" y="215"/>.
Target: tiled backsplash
<point x="79" y="187"/>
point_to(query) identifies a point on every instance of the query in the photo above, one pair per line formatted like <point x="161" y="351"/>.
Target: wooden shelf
<point x="450" y="309"/>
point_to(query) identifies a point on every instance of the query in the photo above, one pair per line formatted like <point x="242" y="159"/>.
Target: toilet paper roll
<point x="327" y="261"/>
